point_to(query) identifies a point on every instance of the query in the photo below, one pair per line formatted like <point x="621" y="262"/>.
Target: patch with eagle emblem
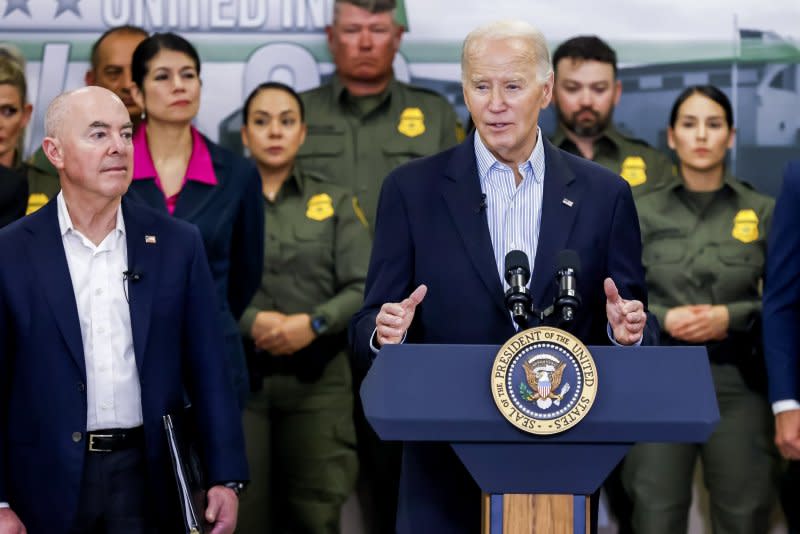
<point x="544" y="380"/>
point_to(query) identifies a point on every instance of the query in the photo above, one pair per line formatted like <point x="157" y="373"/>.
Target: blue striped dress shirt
<point x="514" y="212"/>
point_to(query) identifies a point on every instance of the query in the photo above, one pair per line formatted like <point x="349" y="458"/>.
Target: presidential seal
<point x="544" y="380"/>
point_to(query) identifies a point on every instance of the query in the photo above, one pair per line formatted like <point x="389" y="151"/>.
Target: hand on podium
<point x="395" y="318"/>
<point x="626" y="317"/>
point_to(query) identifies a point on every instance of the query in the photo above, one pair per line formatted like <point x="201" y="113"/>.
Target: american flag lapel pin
<point x="150" y="239"/>
<point x="567" y="202"/>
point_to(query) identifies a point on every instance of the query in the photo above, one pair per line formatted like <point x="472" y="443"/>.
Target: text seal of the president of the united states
<point x="544" y="380"/>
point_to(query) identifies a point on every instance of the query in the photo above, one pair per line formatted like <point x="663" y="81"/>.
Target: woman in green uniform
<point x="704" y="243"/>
<point x="299" y="426"/>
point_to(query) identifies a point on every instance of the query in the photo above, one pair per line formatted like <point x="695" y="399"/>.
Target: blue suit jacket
<point x="230" y="216"/>
<point x="781" y="311"/>
<point x="177" y="342"/>
<point x="430" y="230"/>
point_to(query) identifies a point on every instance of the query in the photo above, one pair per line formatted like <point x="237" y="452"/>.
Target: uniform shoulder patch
<point x="360" y="213"/>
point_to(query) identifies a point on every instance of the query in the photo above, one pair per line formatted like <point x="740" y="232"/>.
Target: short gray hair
<point x="533" y="40"/>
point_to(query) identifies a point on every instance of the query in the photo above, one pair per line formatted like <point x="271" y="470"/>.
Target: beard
<point x="585" y="127"/>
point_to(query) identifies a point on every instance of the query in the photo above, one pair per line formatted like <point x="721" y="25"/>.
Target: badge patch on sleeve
<point x="745" y="226"/>
<point x="320" y="207"/>
<point x="360" y="213"/>
<point x="412" y="122"/>
<point x="634" y="170"/>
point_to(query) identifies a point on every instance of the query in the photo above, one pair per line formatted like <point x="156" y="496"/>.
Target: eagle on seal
<point x="544" y="380"/>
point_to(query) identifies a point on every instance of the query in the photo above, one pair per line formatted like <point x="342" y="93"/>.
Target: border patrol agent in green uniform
<point x="701" y="248"/>
<point x="359" y="131"/>
<point x="313" y="264"/>
<point x="361" y="126"/>
<point x="704" y="247"/>
<point x="299" y="428"/>
<point x="585" y="93"/>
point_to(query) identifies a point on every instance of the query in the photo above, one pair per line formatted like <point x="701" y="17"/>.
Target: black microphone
<point x="518" y="297"/>
<point x="568" y="299"/>
<point x="131" y="275"/>
<point x="482" y="205"/>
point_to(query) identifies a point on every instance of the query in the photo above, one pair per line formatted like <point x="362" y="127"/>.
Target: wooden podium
<point x="637" y="400"/>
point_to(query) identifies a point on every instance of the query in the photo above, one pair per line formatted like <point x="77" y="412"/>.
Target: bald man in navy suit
<point x="107" y="322"/>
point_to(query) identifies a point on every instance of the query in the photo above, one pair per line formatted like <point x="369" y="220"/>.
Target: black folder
<point x="188" y="477"/>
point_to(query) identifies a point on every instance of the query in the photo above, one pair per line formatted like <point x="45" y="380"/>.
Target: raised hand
<point x="626" y="317"/>
<point x="395" y="318"/>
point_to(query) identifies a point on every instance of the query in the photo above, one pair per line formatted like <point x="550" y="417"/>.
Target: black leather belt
<point x="115" y="439"/>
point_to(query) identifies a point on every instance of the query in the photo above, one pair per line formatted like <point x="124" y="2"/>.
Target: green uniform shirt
<point x="314" y="259"/>
<point x="706" y="248"/>
<point x="43" y="181"/>
<point x="642" y="166"/>
<point x="358" y="141"/>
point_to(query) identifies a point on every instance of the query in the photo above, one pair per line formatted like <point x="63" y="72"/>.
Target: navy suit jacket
<point x="430" y="230"/>
<point x="177" y="341"/>
<point x="230" y="216"/>
<point x="781" y="310"/>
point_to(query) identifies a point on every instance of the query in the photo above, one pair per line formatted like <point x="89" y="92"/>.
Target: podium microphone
<point x="518" y="297"/>
<point x="568" y="299"/>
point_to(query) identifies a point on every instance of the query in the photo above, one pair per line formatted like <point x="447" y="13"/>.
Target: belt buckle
<point x="92" y="448"/>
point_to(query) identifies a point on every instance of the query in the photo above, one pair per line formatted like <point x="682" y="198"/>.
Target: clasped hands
<point x="281" y="334"/>
<point x="697" y="323"/>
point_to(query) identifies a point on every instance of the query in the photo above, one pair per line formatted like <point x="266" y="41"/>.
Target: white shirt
<point x="113" y="392"/>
